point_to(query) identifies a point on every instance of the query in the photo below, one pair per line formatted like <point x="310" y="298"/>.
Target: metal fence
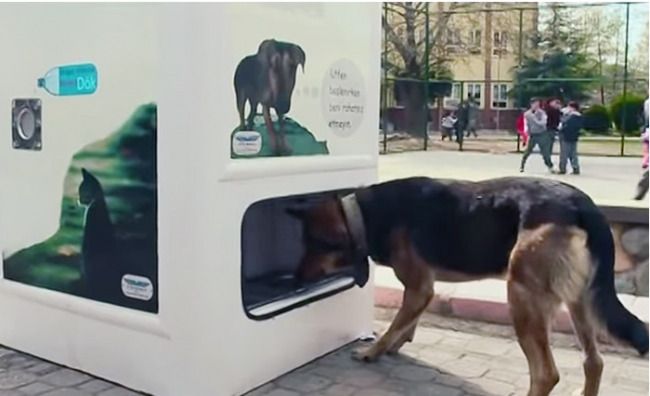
<point x="441" y="58"/>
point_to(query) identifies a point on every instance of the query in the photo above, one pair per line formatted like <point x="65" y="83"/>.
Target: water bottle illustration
<point x="70" y="80"/>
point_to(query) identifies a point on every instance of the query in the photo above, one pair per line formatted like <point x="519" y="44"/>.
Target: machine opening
<point x="271" y="248"/>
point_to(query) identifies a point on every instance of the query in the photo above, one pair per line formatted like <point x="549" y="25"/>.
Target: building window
<point x="455" y="91"/>
<point x="475" y="41"/>
<point x="453" y="41"/>
<point x="500" y="96"/>
<point x="500" y="43"/>
<point x="453" y="100"/>
<point x="474" y="91"/>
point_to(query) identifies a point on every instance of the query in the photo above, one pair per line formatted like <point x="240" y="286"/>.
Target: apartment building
<point x="481" y="43"/>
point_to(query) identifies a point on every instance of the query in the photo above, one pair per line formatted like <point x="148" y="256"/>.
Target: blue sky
<point x="638" y="18"/>
<point x="639" y="13"/>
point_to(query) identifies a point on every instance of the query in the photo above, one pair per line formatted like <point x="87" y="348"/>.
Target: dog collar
<point x="354" y="220"/>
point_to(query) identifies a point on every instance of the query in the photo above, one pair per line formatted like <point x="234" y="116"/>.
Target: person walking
<point x="554" y="116"/>
<point x="461" y="124"/>
<point x="536" y="120"/>
<point x="642" y="186"/>
<point x="463" y="114"/>
<point x="569" y="131"/>
<point x="472" y="115"/>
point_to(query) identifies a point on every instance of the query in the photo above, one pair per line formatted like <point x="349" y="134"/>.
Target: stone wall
<point x="631" y="242"/>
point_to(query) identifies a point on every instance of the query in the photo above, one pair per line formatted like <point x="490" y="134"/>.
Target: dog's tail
<point x="618" y="321"/>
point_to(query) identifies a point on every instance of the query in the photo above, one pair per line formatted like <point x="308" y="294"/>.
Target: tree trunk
<point x="410" y="94"/>
<point x="600" y="69"/>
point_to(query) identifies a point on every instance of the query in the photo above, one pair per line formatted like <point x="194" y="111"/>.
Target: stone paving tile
<point x="117" y="391"/>
<point x="11" y="392"/>
<point x="36" y="388"/>
<point x="95" y="386"/>
<point x="66" y="377"/>
<point x="67" y="392"/>
<point x="304" y="382"/>
<point x="439" y="363"/>
<point x="14" y="379"/>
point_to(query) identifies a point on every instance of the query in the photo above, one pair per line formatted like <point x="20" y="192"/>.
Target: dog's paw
<point x="392" y="351"/>
<point x="365" y="354"/>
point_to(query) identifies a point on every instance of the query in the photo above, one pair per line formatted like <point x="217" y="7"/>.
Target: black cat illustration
<point x="100" y="265"/>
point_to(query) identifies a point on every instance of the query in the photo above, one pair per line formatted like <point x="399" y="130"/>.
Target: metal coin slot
<point x="26" y="124"/>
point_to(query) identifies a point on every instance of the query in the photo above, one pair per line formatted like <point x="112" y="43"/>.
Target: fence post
<point x="623" y="121"/>
<point x="519" y="62"/>
<point x="385" y="101"/>
<point x="426" y="76"/>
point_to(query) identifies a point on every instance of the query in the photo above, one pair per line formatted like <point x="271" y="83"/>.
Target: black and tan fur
<point x="548" y="239"/>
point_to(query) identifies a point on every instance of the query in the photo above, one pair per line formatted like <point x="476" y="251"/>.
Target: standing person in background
<point x="536" y="119"/>
<point x="522" y="129"/>
<point x="569" y="132"/>
<point x="463" y="116"/>
<point x="554" y="114"/>
<point x="472" y="115"/>
<point x="642" y="186"/>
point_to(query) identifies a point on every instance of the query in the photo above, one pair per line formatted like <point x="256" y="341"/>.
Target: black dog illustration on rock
<point x="268" y="78"/>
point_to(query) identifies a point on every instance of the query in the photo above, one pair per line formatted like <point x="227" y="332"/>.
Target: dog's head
<point x="280" y="62"/>
<point x="329" y="244"/>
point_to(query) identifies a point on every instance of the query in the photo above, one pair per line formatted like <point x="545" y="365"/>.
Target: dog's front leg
<point x="414" y="303"/>
<point x="273" y="142"/>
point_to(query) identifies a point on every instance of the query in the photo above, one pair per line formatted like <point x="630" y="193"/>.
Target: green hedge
<point x="598" y="120"/>
<point x="633" y="105"/>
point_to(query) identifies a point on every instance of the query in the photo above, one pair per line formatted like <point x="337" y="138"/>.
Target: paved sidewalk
<point x="441" y="362"/>
<point x="606" y="180"/>
<point x="450" y="363"/>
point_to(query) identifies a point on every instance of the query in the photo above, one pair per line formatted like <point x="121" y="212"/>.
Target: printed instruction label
<point x="137" y="287"/>
<point x="246" y="143"/>
<point x="343" y="98"/>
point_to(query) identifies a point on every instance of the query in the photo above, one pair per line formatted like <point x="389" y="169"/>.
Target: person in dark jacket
<point x="554" y="116"/>
<point x="569" y="132"/>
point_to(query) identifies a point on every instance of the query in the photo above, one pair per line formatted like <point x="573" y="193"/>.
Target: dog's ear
<point x="298" y="56"/>
<point x="265" y="52"/>
<point x="361" y="270"/>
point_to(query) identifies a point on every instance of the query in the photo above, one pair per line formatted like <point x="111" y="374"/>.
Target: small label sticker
<point x="247" y="143"/>
<point x="137" y="287"/>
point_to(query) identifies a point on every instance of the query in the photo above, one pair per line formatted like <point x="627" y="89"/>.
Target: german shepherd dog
<point x="547" y="238"/>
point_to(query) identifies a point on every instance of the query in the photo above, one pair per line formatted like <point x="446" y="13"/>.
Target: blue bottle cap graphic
<point x="70" y="80"/>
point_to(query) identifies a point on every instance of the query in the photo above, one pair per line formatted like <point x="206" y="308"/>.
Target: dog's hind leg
<point x="584" y="326"/>
<point x="282" y="137"/>
<point x="533" y="305"/>
<point x="532" y="314"/>
<point x="273" y="139"/>
<point x="549" y="265"/>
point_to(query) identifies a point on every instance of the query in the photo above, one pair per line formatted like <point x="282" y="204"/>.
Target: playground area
<point x="606" y="179"/>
